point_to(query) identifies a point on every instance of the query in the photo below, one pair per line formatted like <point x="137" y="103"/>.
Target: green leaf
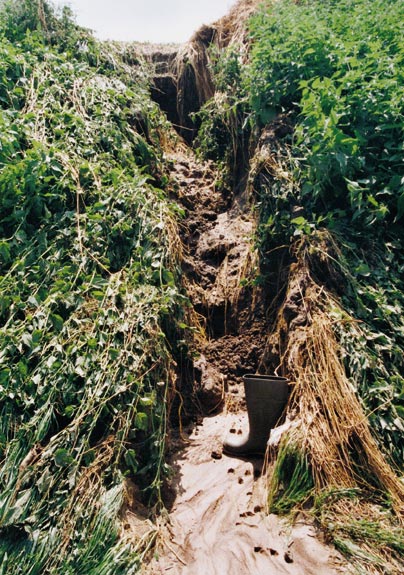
<point x="141" y="421"/>
<point x="57" y="322"/>
<point x="92" y="343"/>
<point x="69" y="410"/>
<point x="22" y="368"/>
<point x="26" y="339"/>
<point x="146" y="401"/>
<point x="4" y="253"/>
<point x="63" y="458"/>
<point x="299" y="221"/>
<point x="400" y="206"/>
<point x="363" y="270"/>
<point x="131" y="460"/>
<point x="97" y="294"/>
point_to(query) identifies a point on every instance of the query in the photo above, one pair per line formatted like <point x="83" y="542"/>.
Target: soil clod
<point x="216" y="455"/>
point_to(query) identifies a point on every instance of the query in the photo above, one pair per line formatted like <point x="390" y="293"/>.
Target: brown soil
<point x="217" y="234"/>
<point x="217" y="519"/>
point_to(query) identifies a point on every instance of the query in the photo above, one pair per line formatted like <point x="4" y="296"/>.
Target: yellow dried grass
<point x="229" y="30"/>
<point x="334" y="428"/>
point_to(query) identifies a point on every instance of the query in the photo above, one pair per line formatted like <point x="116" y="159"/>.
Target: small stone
<point x="288" y="557"/>
<point x="216" y="455"/>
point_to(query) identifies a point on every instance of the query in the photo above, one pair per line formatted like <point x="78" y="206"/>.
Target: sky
<point x="146" y="20"/>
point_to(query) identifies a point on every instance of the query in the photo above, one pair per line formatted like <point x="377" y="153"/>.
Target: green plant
<point x="376" y="538"/>
<point x="324" y="87"/>
<point x="292" y="481"/>
<point x="336" y="69"/>
<point x="89" y="278"/>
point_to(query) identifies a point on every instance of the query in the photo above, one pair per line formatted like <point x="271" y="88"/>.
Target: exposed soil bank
<point x="181" y="81"/>
<point x="217" y="520"/>
<point x="218" y="235"/>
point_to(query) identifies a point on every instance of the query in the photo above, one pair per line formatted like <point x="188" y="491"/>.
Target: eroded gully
<point x="217" y="521"/>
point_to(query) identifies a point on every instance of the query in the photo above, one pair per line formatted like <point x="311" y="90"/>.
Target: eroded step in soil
<point x="218" y="523"/>
<point x="219" y="257"/>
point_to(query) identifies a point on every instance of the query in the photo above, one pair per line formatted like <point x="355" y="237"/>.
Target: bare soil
<point x="217" y="520"/>
<point x="218" y="523"/>
<point x="217" y="234"/>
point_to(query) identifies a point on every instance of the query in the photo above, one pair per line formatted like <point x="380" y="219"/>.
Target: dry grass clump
<point x="231" y="29"/>
<point x="334" y="430"/>
<point x="194" y="55"/>
<point x="192" y="64"/>
<point x="368" y="534"/>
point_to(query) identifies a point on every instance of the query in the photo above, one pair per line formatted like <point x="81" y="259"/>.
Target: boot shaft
<point x="266" y="397"/>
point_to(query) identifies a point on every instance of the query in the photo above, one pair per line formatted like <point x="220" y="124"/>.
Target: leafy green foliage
<point x="372" y="348"/>
<point x="88" y="280"/>
<point x="337" y="67"/>
<point x="325" y="87"/>
<point x="334" y="72"/>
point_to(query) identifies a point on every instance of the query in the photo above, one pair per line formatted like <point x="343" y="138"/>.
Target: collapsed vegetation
<point x="304" y="115"/>
<point x="91" y="305"/>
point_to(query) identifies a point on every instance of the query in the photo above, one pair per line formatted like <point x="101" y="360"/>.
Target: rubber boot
<point x="266" y="397"/>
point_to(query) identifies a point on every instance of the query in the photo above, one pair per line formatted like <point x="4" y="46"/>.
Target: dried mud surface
<point x="217" y="521"/>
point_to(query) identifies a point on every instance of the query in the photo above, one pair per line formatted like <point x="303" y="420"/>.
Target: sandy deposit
<point x="218" y="522"/>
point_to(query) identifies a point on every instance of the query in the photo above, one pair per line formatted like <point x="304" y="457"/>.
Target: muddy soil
<point x="217" y="234"/>
<point x="217" y="520"/>
<point x="218" y="523"/>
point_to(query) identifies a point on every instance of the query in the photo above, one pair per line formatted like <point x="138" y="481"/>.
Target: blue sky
<point x="146" y="20"/>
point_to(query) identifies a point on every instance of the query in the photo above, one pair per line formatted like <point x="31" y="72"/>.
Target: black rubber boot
<point x="266" y="397"/>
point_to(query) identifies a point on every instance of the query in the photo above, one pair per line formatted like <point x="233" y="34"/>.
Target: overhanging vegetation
<point x="89" y="279"/>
